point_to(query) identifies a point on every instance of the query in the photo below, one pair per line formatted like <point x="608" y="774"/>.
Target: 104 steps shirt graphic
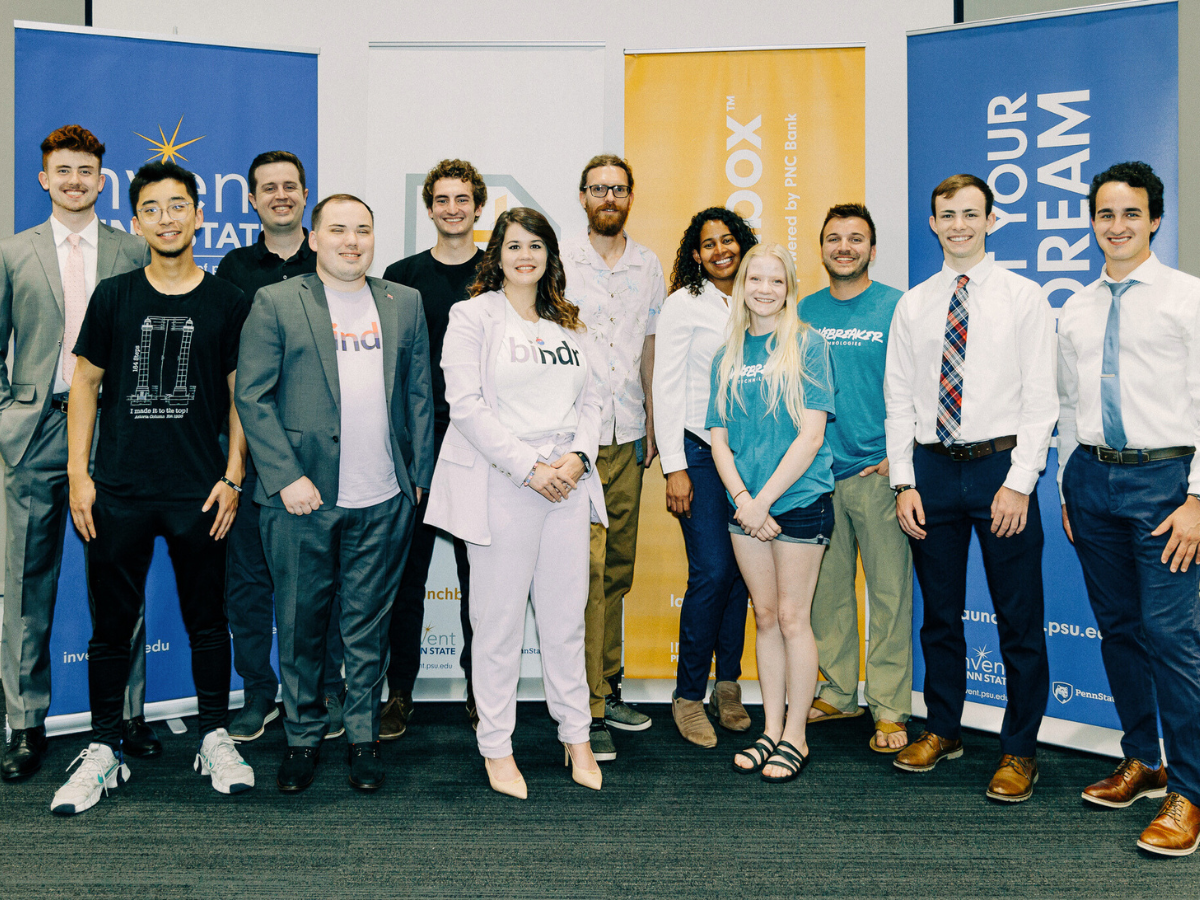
<point x="165" y="393"/>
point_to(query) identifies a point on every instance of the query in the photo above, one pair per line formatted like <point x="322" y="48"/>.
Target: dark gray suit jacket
<point x="32" y="310"/>
<point x="288" y="393"/>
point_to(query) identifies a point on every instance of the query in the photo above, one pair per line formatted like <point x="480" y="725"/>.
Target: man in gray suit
<point x="334" y="394"/>
<point x="47" y="275"/>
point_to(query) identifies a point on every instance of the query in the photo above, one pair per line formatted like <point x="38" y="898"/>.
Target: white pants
<point x="539" y="551"/>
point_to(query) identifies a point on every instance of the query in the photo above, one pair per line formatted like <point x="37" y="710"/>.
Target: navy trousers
<point x="957" y="497"/>
<point x="1149" y="616"/>
<point x="713" y="617"/>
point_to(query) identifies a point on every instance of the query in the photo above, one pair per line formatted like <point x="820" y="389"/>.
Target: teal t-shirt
<point x="759" y="439"/>
<point x="857" y="333"/>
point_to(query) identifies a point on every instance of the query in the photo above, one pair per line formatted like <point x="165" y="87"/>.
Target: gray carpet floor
<point x="673" y="820"/>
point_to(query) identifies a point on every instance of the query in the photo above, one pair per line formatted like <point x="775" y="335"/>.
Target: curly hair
<point x="687" y="272"/>
<point x="1136" y="175"/>
<point x="552" y="302"/>
<point x="461" y="170"/>
<point x="72" y="137"/>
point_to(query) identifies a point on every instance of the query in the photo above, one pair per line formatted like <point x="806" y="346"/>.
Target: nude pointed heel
<point x="591" y="780"/>
<point x="515" y="788"/>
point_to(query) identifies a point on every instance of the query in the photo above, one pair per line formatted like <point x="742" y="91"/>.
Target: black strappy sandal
<point x="758" y="753"/>
<point x="787" y="757"/>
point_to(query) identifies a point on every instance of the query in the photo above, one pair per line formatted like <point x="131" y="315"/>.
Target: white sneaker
<point x="218" y="757"/>
<point x="99" y="772"/>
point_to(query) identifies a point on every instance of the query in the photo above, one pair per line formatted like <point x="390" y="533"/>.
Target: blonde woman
<point x="772" y="391"/>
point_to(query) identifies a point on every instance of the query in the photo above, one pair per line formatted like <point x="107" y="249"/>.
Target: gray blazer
<point x="289" y="397"/>
<point x="32" y="310"/>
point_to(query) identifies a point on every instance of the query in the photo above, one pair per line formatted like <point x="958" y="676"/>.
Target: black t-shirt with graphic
<point x="165" y="391"/>
<point x="441" y="286"/>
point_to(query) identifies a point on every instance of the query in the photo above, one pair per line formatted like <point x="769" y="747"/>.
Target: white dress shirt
<point x="620" y="308"/>
<point x="1160" y="363"/>
<point x="691" y="329"/>
<point x="89" y="244"/>
<point x="1008" y="374"/>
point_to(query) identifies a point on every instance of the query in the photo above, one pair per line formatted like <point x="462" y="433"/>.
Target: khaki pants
<point x="864" y="519"/>
<point x="612" y="554"/>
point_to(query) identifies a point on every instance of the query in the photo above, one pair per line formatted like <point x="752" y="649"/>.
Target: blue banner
<point x="1033" y="107"/>
<point x="211" y="109"/>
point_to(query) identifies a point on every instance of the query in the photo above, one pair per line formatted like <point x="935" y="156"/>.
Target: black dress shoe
<point x="138" y="739"/>
<point x="366" y="768"/>
<point x="24" y="754"/>
<point x="298" y="769"/>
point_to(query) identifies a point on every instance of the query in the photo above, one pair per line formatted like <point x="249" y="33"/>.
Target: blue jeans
<point x="713" y="616"/>
<point x="1149" y="616"/>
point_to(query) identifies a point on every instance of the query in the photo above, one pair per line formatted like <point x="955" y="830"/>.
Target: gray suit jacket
<point x="288" y="393"/>
<point x="32" y="311"/>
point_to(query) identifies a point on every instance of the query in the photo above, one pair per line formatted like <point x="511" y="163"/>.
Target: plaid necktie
<point x="954" y="356"/>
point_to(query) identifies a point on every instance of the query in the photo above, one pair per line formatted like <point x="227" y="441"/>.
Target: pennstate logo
<point x="1062" y="691"/>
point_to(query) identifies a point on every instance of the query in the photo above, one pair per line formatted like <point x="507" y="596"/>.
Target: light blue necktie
<point x="1110" y="370"/>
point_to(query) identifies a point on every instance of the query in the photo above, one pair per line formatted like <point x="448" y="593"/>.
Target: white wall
<point x="343" y="33"/>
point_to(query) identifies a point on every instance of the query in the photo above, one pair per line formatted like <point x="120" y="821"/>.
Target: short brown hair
<point x="72" y="137"/>
<point x="461" y="170"/>
<point x="336" y="198"/>
<point x="956" y="183"/>
<point x="274" y="156"/>
<point x="605" y="159"/>
<point x="849" y="211"/>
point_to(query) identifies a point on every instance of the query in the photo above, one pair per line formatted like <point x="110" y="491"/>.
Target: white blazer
<point x="476" y="441"/>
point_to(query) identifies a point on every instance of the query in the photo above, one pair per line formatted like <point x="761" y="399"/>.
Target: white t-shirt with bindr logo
<point x="539" y="374"/>
<point x="366" y="470"/>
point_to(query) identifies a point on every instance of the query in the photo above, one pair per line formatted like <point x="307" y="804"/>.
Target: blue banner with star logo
<point x="211" y="109"/>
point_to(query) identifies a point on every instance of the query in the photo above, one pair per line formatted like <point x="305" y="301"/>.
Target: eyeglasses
<point x="175" y="211"/>
<point x="599" y="191"/>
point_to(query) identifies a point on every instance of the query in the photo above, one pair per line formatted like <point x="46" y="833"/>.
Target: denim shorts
<point x="804" y="525"/>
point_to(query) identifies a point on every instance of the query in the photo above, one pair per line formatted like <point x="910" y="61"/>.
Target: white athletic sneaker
<point x="99" y="772"/>
<point x="219" y="758"/>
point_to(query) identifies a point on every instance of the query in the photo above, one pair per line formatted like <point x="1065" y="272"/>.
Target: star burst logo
<point x="981" y="654"/>
<point x="167" y="149"/>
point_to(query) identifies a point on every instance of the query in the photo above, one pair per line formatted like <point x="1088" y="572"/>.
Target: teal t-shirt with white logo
<point x="857" y="333"/>
<point x="760" y="439"/>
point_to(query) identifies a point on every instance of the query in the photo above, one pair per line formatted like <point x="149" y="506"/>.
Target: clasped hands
<point x="556" y="480"/>
<point x="754" y="515"/>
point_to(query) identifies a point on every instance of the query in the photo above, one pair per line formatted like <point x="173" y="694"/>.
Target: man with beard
<point x="334" y="390"/>
<point x="619" y="288"/>
<point x="47" y="274"/>
<point x="855" y="314"/>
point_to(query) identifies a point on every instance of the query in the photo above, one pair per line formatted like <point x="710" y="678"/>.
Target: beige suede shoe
<point x="692" y="723"/>
<point x="725" y="705"/>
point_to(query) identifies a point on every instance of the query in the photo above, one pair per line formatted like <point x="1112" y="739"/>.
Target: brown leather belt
<point x="977" y="450"/>
<point x="1135" y="457"/>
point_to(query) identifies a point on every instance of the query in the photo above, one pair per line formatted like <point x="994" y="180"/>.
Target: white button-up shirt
<point x="691" y="329"/>
<point x="1008" y="374"/>
<point x="89" y="245"/>
<point x="620" y="308"/>
<point x="1160" y="363"/>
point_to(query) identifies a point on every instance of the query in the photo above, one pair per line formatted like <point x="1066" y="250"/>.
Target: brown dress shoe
<point x="725" y="705"/>
<point x="1175" y="831"/>
<point x="926" y="752"/>
<point x="692" y="723"/>
<point x="393" y="721"/>
<point x="1014" y="780"/>
<point x="1132" y="780"/>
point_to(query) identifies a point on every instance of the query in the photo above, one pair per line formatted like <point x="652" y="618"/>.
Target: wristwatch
<point x="587" y="463"/>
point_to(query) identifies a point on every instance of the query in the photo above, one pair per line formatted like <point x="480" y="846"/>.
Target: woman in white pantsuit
<point x="512" y="480"/>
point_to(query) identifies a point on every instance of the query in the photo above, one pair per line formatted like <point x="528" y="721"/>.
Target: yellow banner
<point x="778" y="136"/>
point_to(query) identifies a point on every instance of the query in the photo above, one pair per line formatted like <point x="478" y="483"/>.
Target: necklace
<point x="534" y="335"/>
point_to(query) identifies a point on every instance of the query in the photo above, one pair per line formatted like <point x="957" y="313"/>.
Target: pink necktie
<point x="75" y="301"/>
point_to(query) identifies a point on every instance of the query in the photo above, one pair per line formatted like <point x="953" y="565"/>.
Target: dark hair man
<point x="162" y="343"/>
<point x="279" y="195"/>
<point x="619" y="288"/>
<point x="334" y="392"/>
<point x="454" y="195"/>
<point x="47" y="275"/>
<point x="970" y="380"/>
<point x="855" y="315"/>
<point x="1129" y="385"/>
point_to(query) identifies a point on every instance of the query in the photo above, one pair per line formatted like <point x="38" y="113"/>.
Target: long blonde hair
<point x="783" y="375"/>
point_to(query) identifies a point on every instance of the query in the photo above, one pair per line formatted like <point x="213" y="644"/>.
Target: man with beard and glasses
<point x="619" y="288"/>
<point x="855" y="314"/>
